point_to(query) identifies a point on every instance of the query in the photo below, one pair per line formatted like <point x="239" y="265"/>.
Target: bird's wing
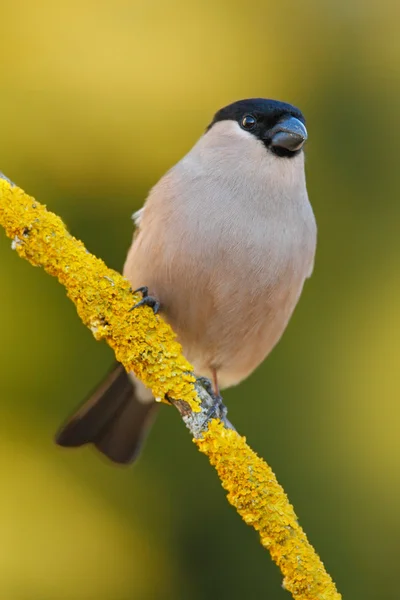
<point x="137" y="217"/>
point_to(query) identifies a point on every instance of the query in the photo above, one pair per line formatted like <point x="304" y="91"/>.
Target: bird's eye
<point x="248" y="122"/>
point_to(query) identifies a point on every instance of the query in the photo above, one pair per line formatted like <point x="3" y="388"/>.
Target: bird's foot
<point x="146" y="300"/>
<point x="215" y="410"/>
<point x="206" y="384"/>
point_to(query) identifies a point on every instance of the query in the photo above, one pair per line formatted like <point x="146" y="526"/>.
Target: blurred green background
<point x="97" y="100"/>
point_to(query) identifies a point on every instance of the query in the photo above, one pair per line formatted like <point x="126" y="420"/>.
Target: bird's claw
<point x="206" y="384"/>
<point x="217" y="410"/>
<point x="146" y="300"/>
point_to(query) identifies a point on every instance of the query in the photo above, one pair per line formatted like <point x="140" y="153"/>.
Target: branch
<point x="145" y="344"/>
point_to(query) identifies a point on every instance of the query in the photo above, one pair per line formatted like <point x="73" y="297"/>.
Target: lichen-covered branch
<point x="146" y="345"/>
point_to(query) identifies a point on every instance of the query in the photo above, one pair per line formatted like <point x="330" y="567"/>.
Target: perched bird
<point x="224" y="243"/>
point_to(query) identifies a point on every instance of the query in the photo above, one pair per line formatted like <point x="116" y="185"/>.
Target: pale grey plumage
<point x="224" y="242"/>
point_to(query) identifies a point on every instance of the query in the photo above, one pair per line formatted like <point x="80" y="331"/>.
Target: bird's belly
<point x="238" y="335"/>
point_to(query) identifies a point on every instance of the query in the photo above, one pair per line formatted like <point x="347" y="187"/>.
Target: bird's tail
<point x="115" y="418"/>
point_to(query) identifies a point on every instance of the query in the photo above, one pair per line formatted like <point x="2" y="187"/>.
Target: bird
<point x="222" y="247"/>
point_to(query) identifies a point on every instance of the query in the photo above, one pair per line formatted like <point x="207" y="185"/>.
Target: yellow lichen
<point x="145" y="344"/>
<point x="142" y="341"/>
<point x="262" y="503"/>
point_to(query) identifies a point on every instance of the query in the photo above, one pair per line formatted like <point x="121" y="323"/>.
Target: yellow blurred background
<point x="97" y="100"/>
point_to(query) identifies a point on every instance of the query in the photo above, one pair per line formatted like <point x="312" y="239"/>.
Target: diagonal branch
<point x="146" y="345"/>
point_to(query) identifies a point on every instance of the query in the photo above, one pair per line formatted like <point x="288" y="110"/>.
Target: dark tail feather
<point x="113" y="419"/>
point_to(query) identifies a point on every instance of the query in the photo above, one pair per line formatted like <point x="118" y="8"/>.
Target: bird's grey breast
<point x="246" y="221"/>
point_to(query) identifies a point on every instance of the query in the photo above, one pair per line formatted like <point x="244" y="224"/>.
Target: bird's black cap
<point x="265" y="119"/>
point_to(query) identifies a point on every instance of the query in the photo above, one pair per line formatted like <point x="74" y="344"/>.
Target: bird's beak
<point x="289" y="134"/>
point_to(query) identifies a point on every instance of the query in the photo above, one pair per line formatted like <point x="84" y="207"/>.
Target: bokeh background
<point x="97" y="100"/>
